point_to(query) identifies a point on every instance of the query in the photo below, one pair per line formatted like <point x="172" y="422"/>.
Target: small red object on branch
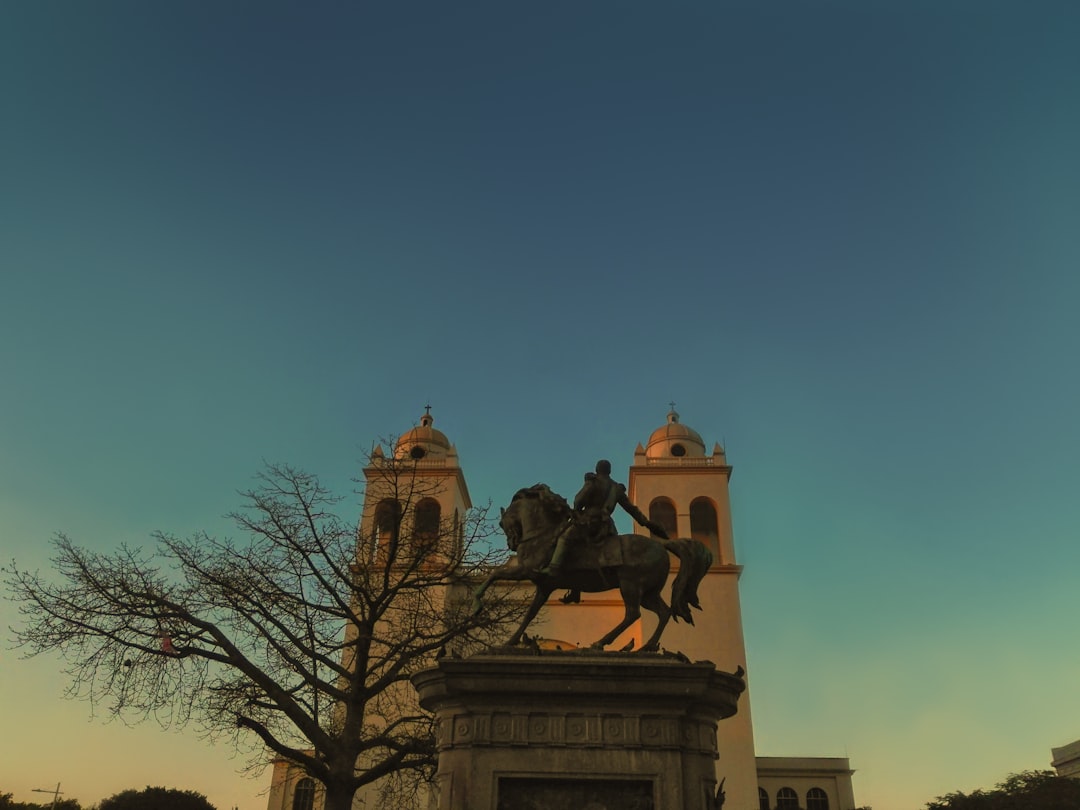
<point x="167" y="646"/>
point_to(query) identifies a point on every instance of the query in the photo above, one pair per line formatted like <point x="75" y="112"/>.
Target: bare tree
<point x="298" y="638"/>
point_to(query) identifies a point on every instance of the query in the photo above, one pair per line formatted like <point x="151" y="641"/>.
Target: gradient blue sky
<point x="843" y="237"/>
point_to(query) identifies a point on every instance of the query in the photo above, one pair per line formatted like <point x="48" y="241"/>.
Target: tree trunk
<point x="338" y="797"/>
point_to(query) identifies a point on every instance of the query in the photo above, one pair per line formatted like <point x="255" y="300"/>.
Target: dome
<point x="675" y="440"/>
<point x="423" y="441"/>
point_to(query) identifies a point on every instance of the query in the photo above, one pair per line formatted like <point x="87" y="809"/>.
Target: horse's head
<point x="510" y="523"/>
<point x="531" y="512"/>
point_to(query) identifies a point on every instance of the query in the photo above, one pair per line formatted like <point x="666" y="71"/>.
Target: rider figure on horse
<point x="591" y="519"/>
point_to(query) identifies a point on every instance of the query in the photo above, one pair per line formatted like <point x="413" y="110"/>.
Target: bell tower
<point x="684" y="489"/>
<point x="419" y="490"/>
<point x="413" y="519"/>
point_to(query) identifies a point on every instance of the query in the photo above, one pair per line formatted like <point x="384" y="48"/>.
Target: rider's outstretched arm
<point x="639" y="516"/>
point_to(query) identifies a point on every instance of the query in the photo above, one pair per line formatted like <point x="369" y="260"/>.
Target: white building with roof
<point x="1066" y="760"/>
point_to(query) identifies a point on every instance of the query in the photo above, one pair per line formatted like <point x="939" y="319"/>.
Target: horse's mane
<point x="552" y="501"/>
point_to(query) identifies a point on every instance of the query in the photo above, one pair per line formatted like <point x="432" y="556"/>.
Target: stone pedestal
<point x="577" y="730"/>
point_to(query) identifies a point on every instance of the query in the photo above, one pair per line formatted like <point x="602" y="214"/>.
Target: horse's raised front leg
<point x="510" y="570"/>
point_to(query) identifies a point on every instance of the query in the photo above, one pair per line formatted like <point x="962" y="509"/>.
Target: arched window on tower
<point x="763" y="799"/>
<point x="387" y="521"/>
<point x="662" y="511"/>
<point x="817" y="799"/>
<point x="786" y="797"/>
<point x="428" y="516"/>
<point x="703" y="525"/>
<point x="304" y="795"/>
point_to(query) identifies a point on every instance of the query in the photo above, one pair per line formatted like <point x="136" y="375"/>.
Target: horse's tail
<point x="694" y="562"/>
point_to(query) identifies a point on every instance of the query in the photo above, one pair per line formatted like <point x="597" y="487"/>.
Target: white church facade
<point x="682" y="486"/>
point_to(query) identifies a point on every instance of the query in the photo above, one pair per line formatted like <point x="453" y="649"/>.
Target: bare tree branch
<point x="298" y="639"/>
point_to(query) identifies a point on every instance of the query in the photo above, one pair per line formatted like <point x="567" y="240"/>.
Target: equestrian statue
<point x="578" y="548"/>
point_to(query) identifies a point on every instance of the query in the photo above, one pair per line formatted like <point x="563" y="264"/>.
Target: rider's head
<point x="603" y="467"/>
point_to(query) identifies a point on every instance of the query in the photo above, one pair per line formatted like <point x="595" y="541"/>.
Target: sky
<point x="843" y="237"/>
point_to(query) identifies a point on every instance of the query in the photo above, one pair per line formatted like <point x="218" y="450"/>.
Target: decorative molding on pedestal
<point x="602" y="730"/>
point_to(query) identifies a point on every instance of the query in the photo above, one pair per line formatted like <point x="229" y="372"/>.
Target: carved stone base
<point x="577" y="730"/>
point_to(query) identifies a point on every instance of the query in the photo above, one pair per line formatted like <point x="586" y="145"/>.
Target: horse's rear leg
<point x="655" y="602"/>
<point x="632" y="600"/>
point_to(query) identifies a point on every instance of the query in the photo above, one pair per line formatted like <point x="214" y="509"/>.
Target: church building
<point x="682" y="487"/>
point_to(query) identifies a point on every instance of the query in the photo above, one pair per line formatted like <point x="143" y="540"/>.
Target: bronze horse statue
<point x="638" y="566"/>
